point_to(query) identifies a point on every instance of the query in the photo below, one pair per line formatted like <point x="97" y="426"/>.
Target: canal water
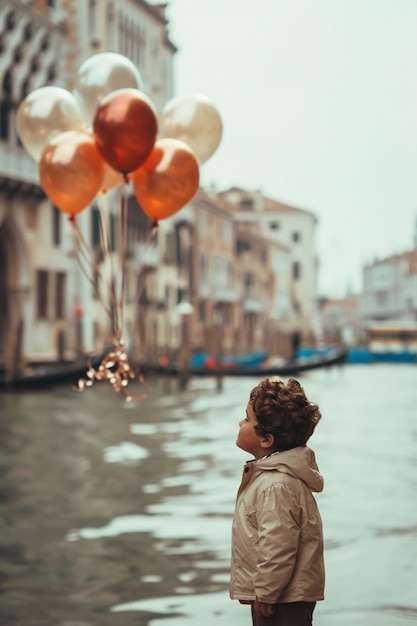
<point x="120" y="515"/>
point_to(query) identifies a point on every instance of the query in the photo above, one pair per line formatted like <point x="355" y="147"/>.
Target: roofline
<point x="291" y="207"/>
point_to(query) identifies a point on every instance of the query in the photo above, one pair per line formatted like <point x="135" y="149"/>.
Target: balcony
<point x="219" y="294"/>
<point x="142" y="254"/>
<point x="253" y="305"/>
<point x="225" y="294"/>
<point x="15" y="164"/>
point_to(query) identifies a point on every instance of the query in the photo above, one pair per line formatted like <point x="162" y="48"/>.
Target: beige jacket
<point x="277" y="539"/>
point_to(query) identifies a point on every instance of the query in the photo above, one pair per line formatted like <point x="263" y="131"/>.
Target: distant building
<point x="390" y="288"/>
<point x="238" y="282"/>
<point x="340" y="321"/>
<point x="295" y="229"/>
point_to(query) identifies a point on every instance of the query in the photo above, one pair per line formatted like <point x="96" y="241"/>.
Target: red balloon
<point x="125" y="129"/>
<point x="167" y="180"/>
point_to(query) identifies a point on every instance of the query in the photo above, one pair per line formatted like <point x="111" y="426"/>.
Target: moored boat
<point x="388" y="342"/>
<point x="262" y="369"/>
<point x="48" y="374"/>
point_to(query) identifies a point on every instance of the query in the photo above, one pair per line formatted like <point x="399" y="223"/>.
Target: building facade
<point x="390" y="288"/>
<point x="291" y="227"/>
<point x="341" y="322"/>
<point x="32" y="37"/>
<point x="49" y="309"/>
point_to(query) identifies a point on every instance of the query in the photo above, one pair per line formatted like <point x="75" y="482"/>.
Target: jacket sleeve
<point x="278" y="515"/>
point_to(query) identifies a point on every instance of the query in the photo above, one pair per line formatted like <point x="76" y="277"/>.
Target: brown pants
<point x="287" y="614"/>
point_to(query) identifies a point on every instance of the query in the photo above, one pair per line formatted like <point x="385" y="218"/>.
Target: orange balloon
<point x="111" y="180"/>
<point x="125" y="129"/>
<point x="167" y="180"/>
<point x="71" y="171"/>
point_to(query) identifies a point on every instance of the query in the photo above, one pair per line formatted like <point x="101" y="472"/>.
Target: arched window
<point x="45" y="42"/>
<point x="6" y="106"/>
<point x="28" y="32"/>
<point x="51" y="74"/>
<point x="11" y="20"/>
<point x="109" y="25"/>
<point x="92" y="17"/>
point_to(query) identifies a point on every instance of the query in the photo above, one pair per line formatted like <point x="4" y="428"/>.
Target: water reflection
<point x="120" y="515"/>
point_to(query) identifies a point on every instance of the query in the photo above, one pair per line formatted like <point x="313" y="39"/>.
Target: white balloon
<point x="101" y="74"/>
<point x="44" y="113"/>
<point x="193" y="119"/>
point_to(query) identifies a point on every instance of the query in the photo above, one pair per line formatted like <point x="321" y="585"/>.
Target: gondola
<point x="48" y="374"/>
<point x="289" y="368"/>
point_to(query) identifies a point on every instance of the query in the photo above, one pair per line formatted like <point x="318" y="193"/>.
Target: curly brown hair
<point x="284" y="411"/>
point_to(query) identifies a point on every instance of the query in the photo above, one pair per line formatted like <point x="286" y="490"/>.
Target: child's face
<point x="248" y="439"/>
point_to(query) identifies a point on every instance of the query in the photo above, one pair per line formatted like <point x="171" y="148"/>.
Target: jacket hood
<point x="298" y="462"/>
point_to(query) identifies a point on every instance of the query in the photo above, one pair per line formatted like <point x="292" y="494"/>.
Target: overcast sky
<point x="319" y="105"/>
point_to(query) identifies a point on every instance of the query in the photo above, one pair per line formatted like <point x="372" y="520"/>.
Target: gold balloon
<point x="101" y="74"/>
<point x="71" y="171"/>
<point x="111" y="180"/>
<point x="193" y="119"/>
<point x="44" y="113"/>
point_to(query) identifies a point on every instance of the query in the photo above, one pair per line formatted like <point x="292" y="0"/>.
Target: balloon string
<point x="85" y="254"/>
<point x="107" y="252"/>
<point x="123" y="216"/>
<point x="140" y="272"/>
<point x="141" y="281"/>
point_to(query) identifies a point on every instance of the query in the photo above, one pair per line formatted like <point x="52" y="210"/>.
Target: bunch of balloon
<point x="106" y="134"/>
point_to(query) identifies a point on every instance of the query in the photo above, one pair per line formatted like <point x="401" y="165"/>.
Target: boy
<point x="277" y="541"/>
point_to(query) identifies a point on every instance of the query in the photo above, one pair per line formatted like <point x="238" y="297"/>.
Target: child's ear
<point x="268" y="441"/>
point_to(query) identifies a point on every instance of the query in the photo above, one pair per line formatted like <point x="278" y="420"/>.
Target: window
<point x="28" y="32"/>
<point x="297" y="308"/>
<point x="121" y="33"/>
<point x="51" y="74"/>
<point x="296" y="269"/>
<point x="96" y="285"/>
<point x="229" y="274"/>
<point x="167" y="296"/>
<point x="109" y="25"/>
<point x="60" y="296"/>
<point x="112" y="233"/>
<point x="203" y="269"/>
<point x="95" y="227"/>
<point x="178" y="248"/>
<point x="202" y="223"/>
<point x="248" y="285"/>
<point x="296" y="236"/>
<point x="202" y="311"/>
<point x="11" y="20"/>
<point x="46" y="42"/>
<point x="226" y="232"/>
<point x="92" y="17"/>
<point x="56" y="226"/>
<point x="274" y="225"/>
<point x="42" y="294"/>
<point x="246" y="203"/>
<point x="6" y="107"/>
<point x="242" y="246"/>
<point x="220" y="274"/>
